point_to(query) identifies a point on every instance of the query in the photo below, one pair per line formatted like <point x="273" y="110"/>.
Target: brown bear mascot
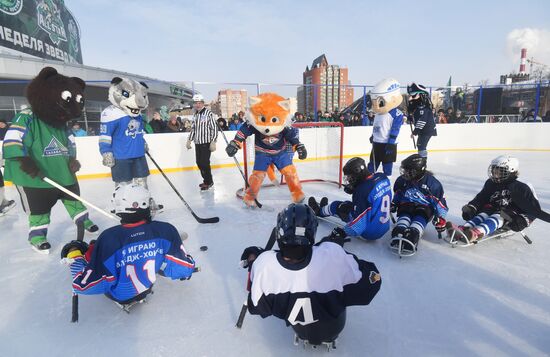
<point x="39" y="144"/>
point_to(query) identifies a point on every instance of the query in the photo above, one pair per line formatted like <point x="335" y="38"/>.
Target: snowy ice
<point x="487" y="300"/>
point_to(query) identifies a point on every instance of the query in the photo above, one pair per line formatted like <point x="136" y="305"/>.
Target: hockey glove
<point x="29" y="167"/>
<point x="108" y="159"/>
<point x="146" y="147"/>
<point x="74" y="249"/>
<point x="338" y="236"/>
<point x="439" y="224"/>
<point x="301" y="150"/>
<point x="468" y="212"/>
<point x="249" y="256"/>
<point x="232" y="148"/>
<point x="344" y="209"/>
<point x="74" y="165"/>
<point x="391" y="149"/>
<point x="517" y="222"/>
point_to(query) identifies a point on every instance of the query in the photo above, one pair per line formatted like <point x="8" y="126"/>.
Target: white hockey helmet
<point x="503" y="168"/>
<point x="198" y="98"/>
<point x="131" y="198"/>
<point x="385" y="88"/>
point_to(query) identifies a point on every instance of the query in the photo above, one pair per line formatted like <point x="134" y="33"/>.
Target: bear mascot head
<point x="269" y="113"/>
<point x="385" y="96"/>
<point x="54" y="98"/>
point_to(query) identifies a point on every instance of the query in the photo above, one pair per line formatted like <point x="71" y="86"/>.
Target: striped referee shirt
<point x="204" y="129"/>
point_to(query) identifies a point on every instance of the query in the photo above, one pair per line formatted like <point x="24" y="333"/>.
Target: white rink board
<point x="170" y="152"/>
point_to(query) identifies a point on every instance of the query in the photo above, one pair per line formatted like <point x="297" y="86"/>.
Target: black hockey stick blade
<point x="74" y="317"/>
<point x="240" y="320"/>
<point x="270" y="243"/>
<point x="239" y="166"/>
<point x="199" y="219"/>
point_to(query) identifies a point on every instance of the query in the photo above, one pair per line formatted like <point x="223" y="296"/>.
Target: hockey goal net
<point x="324" y="142"/>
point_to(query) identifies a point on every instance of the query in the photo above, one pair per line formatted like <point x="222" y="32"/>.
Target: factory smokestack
<point x="523" y="60"/>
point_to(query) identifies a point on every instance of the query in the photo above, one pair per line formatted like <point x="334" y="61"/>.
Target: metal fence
<point x="493" y="103"/>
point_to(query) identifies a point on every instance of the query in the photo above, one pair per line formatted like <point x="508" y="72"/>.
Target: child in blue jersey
<point x="418" y="199"/>
<point x="124" y="261"/>
<point x="367" y="215"/>
<point x="420" y="110"/>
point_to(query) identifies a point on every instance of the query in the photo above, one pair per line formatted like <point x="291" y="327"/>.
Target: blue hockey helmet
<point x="296" y="226"/>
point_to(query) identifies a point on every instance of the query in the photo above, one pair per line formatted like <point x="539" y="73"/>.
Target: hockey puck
<point x="203" y="248"/>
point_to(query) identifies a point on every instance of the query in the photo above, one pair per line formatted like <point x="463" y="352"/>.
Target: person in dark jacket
<point x="420" y="110"/>
<point x="157" y="124"/>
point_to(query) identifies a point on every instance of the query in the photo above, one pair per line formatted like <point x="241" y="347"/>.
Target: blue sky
<point x="272" y="42"/>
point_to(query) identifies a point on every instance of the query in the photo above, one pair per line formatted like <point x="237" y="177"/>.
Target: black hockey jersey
<point x="319" y="288"/>
<point x="515" y="195"/>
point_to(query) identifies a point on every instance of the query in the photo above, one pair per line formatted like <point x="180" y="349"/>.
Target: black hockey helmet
<point x="296" y="229"/>
<point x="418" y="95"/>
<point x="413" y="167"/>
<point x="355" y="172"/>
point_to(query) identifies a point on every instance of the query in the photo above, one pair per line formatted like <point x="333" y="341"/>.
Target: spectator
<point x="186" y="125"/>
<point x="222" y="124"/>
<point x="450" y="114"/>
<point x="174" y="125"/>
<point x="546" y="117"/>
<point x="458" y="99"/>
<point x="91" y="132"/>
<point x="241" y="117"/>
<point x="158" y="125"/>
<point x="235" y="124"/>
<point x="441" y="119"/>
<point x="3" y="128"/>
<point x="326" y="117"/>
<point x="459" y="116"/>
<point x="530" y="117"/>
<point x="77" y="130"/>
<point x="298" y="118"/>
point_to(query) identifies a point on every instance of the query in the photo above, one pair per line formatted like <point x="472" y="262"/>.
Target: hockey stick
<point x="74" y="301"/>
<point x="412" y="135"/>
<point x="199" y="219"/>
<point x="244" y="308"/>
<point x="77" y="197"/>
<point x="239" y="166"/>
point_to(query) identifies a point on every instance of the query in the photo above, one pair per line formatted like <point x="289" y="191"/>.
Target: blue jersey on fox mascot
<point x="370" y="217"/>
<point x="426" y="191"/>
<point x="126" y="258"/>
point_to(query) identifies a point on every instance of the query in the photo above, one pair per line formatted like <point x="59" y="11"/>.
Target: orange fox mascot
<point x="268" y="117"/>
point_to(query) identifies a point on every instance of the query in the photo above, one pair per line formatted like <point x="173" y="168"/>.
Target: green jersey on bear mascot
<point x="39" y="144"/>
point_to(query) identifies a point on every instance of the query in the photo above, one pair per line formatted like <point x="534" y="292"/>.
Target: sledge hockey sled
<point x="456" y="237"/>
<point x="329" y="345"/>
<point x="401" y="249"/>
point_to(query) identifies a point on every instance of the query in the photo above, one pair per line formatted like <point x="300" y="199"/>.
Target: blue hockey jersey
<point x="371" y="201"/>
<point x="427" y="191"/>
<point x="423" y="120"/>
<point x="272" y="144"/>
<point x="121" y="134"/>
<point x="126" y="259"/>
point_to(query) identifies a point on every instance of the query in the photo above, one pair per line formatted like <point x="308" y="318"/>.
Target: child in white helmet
<point x="504" y="200"/>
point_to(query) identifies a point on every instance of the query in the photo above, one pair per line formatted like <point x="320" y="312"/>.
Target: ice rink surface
<point x="488" y="300"/>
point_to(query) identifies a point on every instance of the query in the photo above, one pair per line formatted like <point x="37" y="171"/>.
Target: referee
<point x="204" y="133"/>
